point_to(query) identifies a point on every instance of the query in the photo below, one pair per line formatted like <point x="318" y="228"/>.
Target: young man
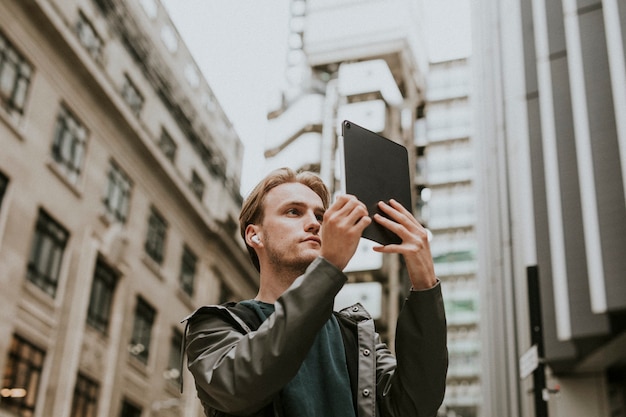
<point x="286" y="353"/>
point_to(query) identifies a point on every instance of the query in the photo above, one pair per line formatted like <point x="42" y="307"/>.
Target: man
<point x="286" y="353"/>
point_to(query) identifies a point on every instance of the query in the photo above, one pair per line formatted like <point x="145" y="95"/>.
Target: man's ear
<point x="252" y="235"/>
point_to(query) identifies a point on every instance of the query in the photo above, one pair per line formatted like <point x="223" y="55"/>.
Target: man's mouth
<point x="314" y="239"/>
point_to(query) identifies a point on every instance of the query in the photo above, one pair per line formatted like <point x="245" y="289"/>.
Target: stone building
<point x="119" y="196"/>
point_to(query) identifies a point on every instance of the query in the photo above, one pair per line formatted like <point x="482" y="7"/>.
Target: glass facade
<point x="450" y="213"/>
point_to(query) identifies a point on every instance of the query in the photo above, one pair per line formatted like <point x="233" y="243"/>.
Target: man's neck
<point x="274" y="283"/>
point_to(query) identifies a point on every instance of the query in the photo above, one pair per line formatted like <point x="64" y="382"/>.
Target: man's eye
<point x="319" y="217"/>
<point x="293" y="211"/>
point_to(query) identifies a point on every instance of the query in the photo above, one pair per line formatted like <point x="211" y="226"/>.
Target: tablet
<point x="374" y="169"/>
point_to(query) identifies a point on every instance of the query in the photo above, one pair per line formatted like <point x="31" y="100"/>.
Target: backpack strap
<point x="246" y="315"/>
<point x="252" y="320"/>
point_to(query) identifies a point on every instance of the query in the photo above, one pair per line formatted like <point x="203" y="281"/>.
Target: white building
<point x="449" y="211"/>
<point x="364" y="62"/>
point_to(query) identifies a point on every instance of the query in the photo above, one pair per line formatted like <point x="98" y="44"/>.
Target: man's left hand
<point x="414" y="247"/>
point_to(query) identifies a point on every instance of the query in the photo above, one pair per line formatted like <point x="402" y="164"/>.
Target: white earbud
<point x="255" y="239"/>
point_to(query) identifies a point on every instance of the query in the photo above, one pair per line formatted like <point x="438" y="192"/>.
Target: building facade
<point x="344" y="64"/>
<point x="551" y="118"/>
<point x="365" y="62"/>
<point x="119" y="197"/>
<point x="449" y="211"/>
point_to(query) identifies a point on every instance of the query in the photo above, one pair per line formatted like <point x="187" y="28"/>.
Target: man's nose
<point x="313" y="223"/>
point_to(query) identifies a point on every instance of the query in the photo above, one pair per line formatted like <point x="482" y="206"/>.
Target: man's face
<point x="290" y="231"/>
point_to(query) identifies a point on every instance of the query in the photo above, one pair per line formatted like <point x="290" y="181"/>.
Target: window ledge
<point x="13" y="120"/>
<point x="185" y="298"/>
<point x="61" y="175"/>
<point x="153" y="266"/>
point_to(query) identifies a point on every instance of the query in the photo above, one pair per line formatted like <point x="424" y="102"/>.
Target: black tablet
<point x="375" y="169"/>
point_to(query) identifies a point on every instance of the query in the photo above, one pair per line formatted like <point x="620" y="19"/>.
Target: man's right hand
<point x="342" y="227"/>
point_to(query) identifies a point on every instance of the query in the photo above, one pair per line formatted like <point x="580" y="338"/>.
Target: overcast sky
<point x="240" y="46"/>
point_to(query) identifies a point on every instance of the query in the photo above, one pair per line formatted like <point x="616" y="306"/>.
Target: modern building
<point x="364" y="62"/>
<point x="447" y="168"/>
<point x="119" y="197"/>
<point x="551" y="121"/>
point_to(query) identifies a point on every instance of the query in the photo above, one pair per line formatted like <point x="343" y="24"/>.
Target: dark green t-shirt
<point x="322" y="385"/>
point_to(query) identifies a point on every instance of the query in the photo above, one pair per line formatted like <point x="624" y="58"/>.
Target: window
<point x="131" y="95"/>
<point x="188" y="271"/>
<point x="130" y="410"/>
<point x="155" y="241"/>
<point x="4" y="182"/>
<point x="196" y="185"/>
<point x="168" y="36"/>
<point x="101" y="297"/>
<point x="20" y="381"/>
<point x="88" y="37"/>
<point x="167" y="145"/>
<point x="173" y="365"/>
<point x="44" y="264"/>
<point x="150" y="7"/>
<point x="85" y="401"/>
<point x="117" y="199"/>
<point x="68" y="146"/>
<point x="15" y="75"/>
<point x="455" y="256"/>
<point x="192" y="76"/>
<point x="142" y="330"/>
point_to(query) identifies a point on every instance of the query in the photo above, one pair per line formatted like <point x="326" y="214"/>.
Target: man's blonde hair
<point x="252" y="208"/>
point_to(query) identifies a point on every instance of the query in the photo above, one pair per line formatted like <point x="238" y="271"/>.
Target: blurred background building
<point x="449" y="210"/>
<point x="550" y="105"/>
<point x="342" y="64"/>
<point x="119" y="193"/>
<point x="367" y="62"/>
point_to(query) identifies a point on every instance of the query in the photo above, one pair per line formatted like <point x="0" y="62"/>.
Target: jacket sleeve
<point x="416" y="385"/>
<point x="240" y="373"/>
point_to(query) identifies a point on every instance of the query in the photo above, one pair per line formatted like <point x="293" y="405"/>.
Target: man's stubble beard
<point x="286" y="266"/>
